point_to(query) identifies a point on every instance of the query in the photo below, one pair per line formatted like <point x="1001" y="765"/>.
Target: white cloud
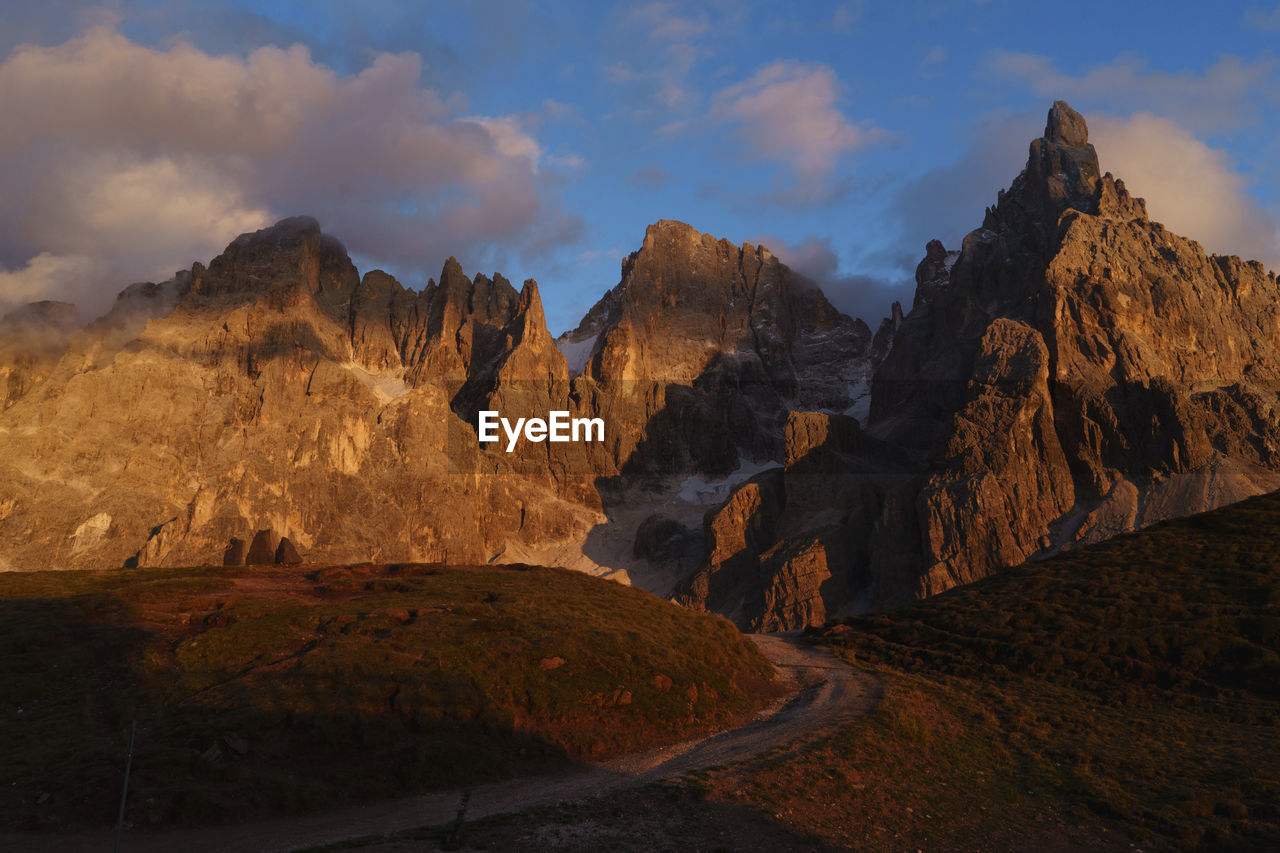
<point x="787" y="112"/>
<point x="1228" y="95"/>
<point x="1191" y="188"/>
<point x="1263" y="20"/>
<point x="46" y="276"/>
<point x="665" y="22"/>
<point x="660" y="44"/>
<point x="845" y="16"/>
<point x="560" y="111"/>
<point x="509" y="138"/>
<point x="936" y="56"/>
<point x="143" y="160"/>
<point x="567" y="162"/>
<point x="664" y="88"/>
<point x="864" y="296"/>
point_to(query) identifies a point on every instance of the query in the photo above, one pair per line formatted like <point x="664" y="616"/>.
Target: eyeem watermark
<point x="557" y="427"/>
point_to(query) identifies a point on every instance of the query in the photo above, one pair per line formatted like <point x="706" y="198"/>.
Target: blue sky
<point x="540" y="141"/>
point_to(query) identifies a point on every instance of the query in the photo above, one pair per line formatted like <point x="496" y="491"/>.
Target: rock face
<point x="1102" y="368"/>
<point x="1074" y="371"/>
<point x="237" y="552"/>
<point x="780" y="548"/>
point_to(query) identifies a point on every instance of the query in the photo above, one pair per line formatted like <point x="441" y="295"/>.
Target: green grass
<point x="269" y="691"/>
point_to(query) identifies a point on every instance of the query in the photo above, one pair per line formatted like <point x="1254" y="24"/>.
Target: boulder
<point x="287" y="553"/>
<point x="236" y="553"/>
<point x="262" y="551"/>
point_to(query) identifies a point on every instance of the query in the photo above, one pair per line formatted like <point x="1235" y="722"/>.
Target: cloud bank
<point x="1226" y="96"/>
<point x="1191" y="188"/>
<point x="121" y="162"/>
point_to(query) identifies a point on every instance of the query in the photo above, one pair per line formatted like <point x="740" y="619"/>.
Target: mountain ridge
<point x="1072" y="371"/>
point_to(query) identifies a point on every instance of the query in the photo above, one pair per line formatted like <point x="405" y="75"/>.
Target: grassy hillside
<point x="268" y="690"/>
<point x="1134" y="684"/>
<point x="1123" y="696"/>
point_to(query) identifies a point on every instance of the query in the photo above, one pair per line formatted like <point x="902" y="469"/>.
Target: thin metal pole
<point x="124" y="792"/>
<point x="455" y="836"/>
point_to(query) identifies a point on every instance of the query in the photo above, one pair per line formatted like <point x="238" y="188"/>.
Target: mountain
<point x="279" y="390"/>
<point x="1072" y="371"/>
<point x="1075" y="371"/>
<point x="703" y="341"/>
<point x="276" y="389"/>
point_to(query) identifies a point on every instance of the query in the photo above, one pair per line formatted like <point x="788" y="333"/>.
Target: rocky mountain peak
<point x="1062" y="174"/>
<point x="529" y="354"/>
<point x="60" y="316"/>
<point x="1065" y="126"/>
<point x="293" y="253"/>
<point x="451" y="275"/>
<point x="669" y="233"/>
<point x="1072" y="371"/>
<point x="494" y="298"/>
<point x="285" y="232"/>
<point x="457" y="298"/>
<point x="689" y="303"/>
<point x="529" y="310"/>
<point x="1079" y="362"/>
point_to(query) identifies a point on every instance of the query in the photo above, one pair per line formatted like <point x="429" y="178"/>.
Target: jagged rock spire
<point x="1065" y="126"/>
<point x="1062" y="174"/>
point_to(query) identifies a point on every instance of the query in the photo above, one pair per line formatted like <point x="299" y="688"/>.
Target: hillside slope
<point x="1122" y="696"/>
<point x="290" y="689"/>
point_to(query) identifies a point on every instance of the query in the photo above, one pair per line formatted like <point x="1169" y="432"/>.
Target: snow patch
<point x="576" y="353"/>
<point x="860" y="400"/>
<point x="384" y="388"/>
<point x="699" y="490"/>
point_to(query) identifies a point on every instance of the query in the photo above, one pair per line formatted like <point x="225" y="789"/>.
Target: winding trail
<point x="823" y="691"/>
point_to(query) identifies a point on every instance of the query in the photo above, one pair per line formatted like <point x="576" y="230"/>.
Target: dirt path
<point x="825" y="692"/>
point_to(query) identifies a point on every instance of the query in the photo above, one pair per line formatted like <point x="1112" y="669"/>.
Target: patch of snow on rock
<point x="699" y="490"/>
<point x="384" y="388"/>
<point x="576" y="353"/>
<point x="860" y="400"/>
